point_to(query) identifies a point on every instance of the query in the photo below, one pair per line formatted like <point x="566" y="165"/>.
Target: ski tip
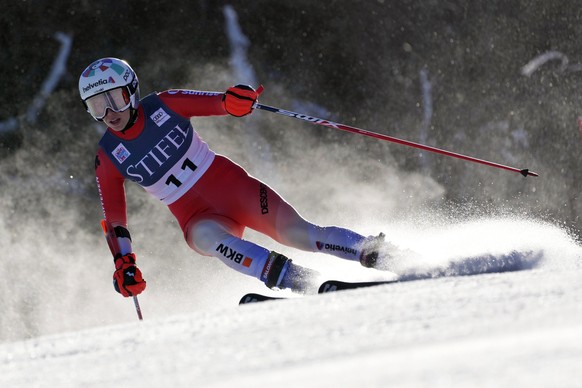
<point x="336" y="285"/>
<point x="525" y="172"/>
<point x="255" y="298"/>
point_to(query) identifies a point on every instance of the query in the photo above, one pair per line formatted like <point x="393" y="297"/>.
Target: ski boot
<point x="372" y="251"/>
<point x="281" y="273"/>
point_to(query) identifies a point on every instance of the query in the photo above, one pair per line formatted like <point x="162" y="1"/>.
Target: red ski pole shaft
<point x="115" y="250"/>
<point x="330" y="124"/>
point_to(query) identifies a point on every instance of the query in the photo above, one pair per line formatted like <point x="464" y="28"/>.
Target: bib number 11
<point x="172" y="178"/>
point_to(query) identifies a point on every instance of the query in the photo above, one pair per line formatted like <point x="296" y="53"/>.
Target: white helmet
<point x="106" y="74"/>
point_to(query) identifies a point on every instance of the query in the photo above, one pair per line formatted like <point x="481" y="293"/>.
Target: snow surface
<point x="521" y="328"/>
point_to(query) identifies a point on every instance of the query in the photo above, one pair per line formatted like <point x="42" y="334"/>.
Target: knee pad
<point x="203" y="236"/>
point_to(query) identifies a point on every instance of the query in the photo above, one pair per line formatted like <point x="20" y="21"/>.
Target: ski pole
<point x="115" y="250"/>
<point x="137" y="308"/>
<point x="330" y="124"/>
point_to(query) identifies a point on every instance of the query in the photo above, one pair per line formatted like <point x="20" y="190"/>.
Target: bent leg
<point x="212" y="238"/>
<point x="216" y="237"/>
<point x="295" y="231"/>
<point x="284" y="224"/>
<point x="251" y="203"/>
<point x="220" y="238"/>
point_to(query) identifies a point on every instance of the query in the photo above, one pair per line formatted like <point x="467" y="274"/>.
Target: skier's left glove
<point x="239" y="100"/>
<point x="127" y="278"/>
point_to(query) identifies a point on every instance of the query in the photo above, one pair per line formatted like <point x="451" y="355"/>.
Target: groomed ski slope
<point x="512" y="329"/>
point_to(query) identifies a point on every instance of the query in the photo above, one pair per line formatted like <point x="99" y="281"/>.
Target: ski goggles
<point x="115" y="99"/>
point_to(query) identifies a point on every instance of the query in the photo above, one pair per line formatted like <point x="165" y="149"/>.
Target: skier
<point x="151" y="142"/>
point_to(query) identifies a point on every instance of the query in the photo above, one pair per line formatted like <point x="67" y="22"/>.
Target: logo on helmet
<point x="101" y="82"/>
<point x="103" y="65"/>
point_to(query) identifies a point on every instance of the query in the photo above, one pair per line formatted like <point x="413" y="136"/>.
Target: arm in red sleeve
<point x="191" y="103"/>
<point x="110" y="183"/>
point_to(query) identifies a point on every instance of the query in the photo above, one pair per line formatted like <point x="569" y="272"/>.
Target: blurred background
<point x="496" y="80"/>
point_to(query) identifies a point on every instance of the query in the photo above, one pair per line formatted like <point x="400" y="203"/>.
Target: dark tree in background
<point x="360" y="60"/>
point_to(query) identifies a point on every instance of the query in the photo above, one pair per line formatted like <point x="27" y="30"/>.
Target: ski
<point x="254" y="298"/>
<point x="337" y="285"/>
<point x="324" y="288"/>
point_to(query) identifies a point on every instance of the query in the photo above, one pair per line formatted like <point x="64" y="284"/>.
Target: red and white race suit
<point x="212" y="198"/>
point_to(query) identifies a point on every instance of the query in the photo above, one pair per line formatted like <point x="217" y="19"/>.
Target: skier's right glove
<point x="127" y="278"/>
